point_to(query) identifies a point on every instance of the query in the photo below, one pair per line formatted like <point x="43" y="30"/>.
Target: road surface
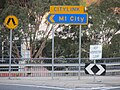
<point x="34" y="87"/>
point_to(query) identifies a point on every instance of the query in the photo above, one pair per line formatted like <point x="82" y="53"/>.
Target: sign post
<point x="10" y="53"/>
<point x="94" y="80"/>
<point x="11" y="22"/>
<point x="79" y="52"/>
<point x="95" y="53"/>
<point x="74" y="15"/>
<point x="52" y="53"/>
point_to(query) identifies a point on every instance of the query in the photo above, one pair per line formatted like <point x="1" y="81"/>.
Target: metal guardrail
<point x="42" y="67"/>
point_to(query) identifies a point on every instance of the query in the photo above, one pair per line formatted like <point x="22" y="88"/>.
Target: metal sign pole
<point x="11" y="22"/>
<point x="52" y="53"/>
<point x="94" y="74"/>
<point x="10" y="53"/>
<point x="2" y="50"/>
<point x="79" y="52"/>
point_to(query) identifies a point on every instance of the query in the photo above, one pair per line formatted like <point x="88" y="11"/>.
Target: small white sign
<point x="95" y="52"/>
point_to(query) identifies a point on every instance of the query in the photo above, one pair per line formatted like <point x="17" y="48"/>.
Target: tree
<point x="105" y="22"/>
<point x="31" y="14"/>
<point x="115" y="46"/>
<point x="67" y="43"/>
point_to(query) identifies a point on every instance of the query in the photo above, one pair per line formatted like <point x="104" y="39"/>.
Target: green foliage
<point x="64" y="2"/>
<point x="103" y="16"/>
<point x="105" y="25"/>
<point x="113" y="49"/>
<point x="2" y="4"/>
<point x="63" y="47"/>
<point x="115" y="46"/>
<point x="27" y="11"/>
<point x="67" y="43"/>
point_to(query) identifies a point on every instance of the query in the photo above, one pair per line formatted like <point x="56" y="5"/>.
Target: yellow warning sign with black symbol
<point x="11" y="22"/>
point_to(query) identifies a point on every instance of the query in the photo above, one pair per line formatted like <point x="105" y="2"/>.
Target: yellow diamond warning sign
<point x="11" y="22"/>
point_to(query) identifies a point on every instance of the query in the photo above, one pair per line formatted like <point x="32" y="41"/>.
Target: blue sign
<point x="68" y="18"/>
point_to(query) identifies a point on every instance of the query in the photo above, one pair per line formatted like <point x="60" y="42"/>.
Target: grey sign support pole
<point x="2" y="50"/>
<point x="94" y="79"/>
<point x="52" y="52"/>
<point x="10" y="53"/>
<point x="79" y="52"/>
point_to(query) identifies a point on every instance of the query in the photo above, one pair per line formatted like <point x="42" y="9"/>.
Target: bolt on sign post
<point x="73" y="15"/>
<point x="11" y="22"/>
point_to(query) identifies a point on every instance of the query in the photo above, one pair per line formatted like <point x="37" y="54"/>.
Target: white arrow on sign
<point x="101" y="69"/>
<point x="88" y="68"/>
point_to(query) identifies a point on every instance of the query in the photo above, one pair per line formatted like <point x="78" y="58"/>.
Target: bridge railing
<point x="42" y="67"/>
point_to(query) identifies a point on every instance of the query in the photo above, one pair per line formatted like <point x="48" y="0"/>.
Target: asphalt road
<point x="33" y="87"/>
<point x="27" y="87"/>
